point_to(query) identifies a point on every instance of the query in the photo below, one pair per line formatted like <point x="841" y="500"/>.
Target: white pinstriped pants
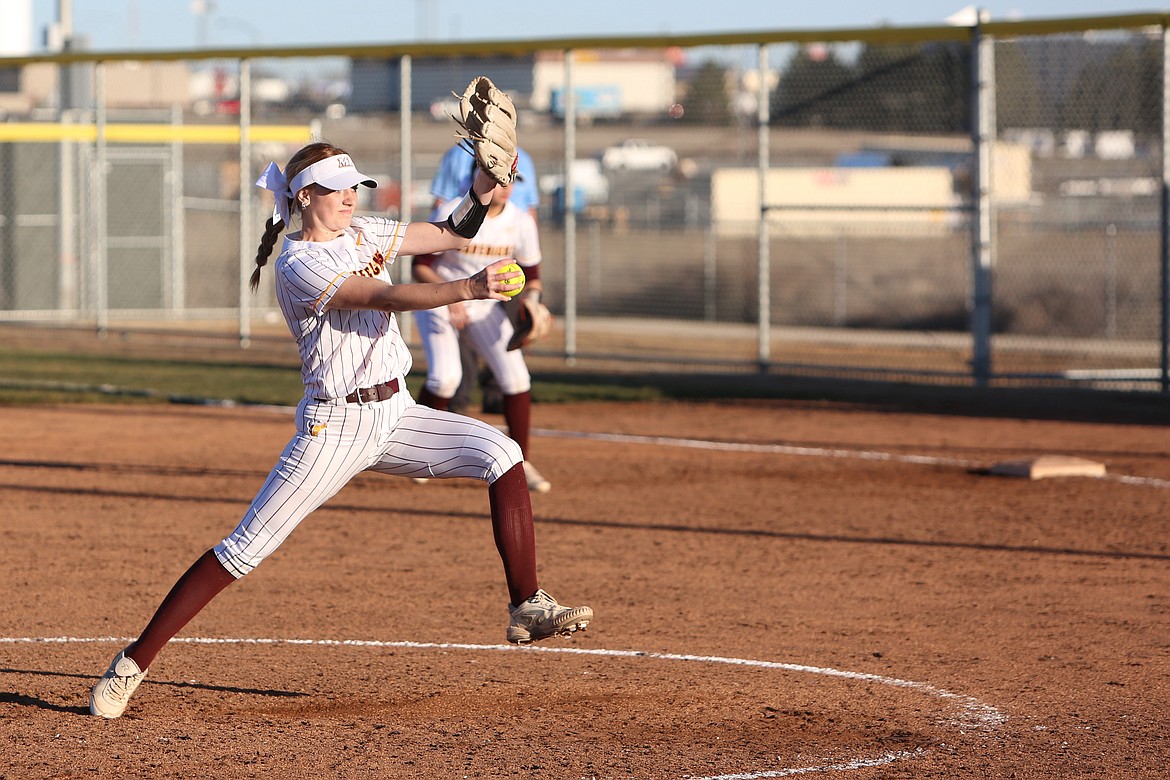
<point x="335" y="442"/>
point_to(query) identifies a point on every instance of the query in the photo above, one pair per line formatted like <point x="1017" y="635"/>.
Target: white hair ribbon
<point x="273" y="179"/>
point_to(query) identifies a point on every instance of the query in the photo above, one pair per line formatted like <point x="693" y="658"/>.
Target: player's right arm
<point x="440" y="236"/>
<point x="362" y="292"/>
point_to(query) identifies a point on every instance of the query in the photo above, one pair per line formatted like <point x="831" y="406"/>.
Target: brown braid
<point x="305" y="156"/>
<point x="272" y="231"/>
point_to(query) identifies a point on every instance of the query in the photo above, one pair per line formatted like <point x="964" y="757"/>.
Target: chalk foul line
<point x="814" y="452"/>
<point x="972" y="714"/>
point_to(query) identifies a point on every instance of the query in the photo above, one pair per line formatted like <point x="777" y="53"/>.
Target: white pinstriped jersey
<point x="511" y="233"/>
<point x="341" y="350"/>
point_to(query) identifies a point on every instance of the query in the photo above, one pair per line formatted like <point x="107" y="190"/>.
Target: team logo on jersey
<point x="374" y="267"/>
<point x="316" y="428"/>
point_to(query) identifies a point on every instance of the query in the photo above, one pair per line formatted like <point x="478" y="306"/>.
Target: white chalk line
<point x="972" y="713"/>
<point x="778" y="449"/>
<point x="816" y="452"/>
<point x="1143" y="481"/>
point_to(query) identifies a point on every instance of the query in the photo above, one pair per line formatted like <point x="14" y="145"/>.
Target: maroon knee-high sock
<point x="427" y="398"/>
<point x="517" y="414"/>
<point x="191" y="593"/>
<point x="512" y="527"/>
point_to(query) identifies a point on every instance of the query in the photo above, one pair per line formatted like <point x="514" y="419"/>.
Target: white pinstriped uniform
<point x="511" y="233"/>
<point x="342" y="350"/>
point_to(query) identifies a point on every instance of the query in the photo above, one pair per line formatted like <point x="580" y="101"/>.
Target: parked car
<point x="637" y="154"/>
<point x="590" y="186"/>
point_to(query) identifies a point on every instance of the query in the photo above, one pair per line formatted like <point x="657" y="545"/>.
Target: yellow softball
<point x="515" y="275"/>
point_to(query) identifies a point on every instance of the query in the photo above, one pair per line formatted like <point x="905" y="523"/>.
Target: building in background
<point x="376" y="84"/>
<point x="627" y="82"/>
<point x="608" y="84"/>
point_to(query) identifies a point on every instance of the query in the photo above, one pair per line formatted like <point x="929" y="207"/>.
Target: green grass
<point x="29" y="377"/>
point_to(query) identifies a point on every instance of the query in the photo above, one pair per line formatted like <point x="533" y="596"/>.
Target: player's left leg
<point x="455" y="446"/>
<point x="458" y="446"/>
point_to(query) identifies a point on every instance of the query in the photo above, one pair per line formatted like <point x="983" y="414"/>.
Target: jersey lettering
<point x="374" y="267"/>
<point x="488" y="250"/>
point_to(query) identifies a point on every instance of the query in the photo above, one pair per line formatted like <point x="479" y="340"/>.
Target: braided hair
<point x="305" y="156"/>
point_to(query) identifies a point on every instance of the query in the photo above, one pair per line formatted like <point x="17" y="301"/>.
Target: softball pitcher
<point x="507" y="232"/>
<point x="333" y="287"/>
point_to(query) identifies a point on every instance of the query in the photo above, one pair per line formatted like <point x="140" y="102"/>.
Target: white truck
<point x="637" y="154"/>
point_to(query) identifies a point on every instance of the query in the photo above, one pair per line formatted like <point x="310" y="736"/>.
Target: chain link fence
<point x="960" y="205"/>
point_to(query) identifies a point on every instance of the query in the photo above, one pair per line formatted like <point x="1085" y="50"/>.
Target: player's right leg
<point x="332" y="444"/>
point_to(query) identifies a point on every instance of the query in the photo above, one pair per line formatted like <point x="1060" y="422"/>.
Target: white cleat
<point x="536" y="482"/>
<point x="112" y="692"/>
<point x="541" y="617"/>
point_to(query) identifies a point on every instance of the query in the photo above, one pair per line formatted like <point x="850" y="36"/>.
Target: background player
<point x="452" y="179"/>
<point x="507" y="232"/>
<point x="457" y="170"/>
<point x="334" y="289"/>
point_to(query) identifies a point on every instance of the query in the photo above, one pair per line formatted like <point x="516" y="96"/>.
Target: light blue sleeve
<point x="526" y="193"/>
<point x="453" y="179"/>
<point x="456" y="170"/>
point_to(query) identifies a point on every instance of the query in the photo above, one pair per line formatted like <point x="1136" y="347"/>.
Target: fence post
<point x="178" y="231"/>
<point x="406" y="175"/>
<point x="710" y="275"/>
<point x="1164" y="226"/>
<point x="982" y="224"/>
<point x="245" y="202"/>
<point x="67" y="295"/>
<point x="66" y="225"/>
<point x="763" y="275"/>
<point x="570" y="213"/>
<point x="100" y="256"/>
<point x="840" y="280"/>
<point x="1111" y="281"/>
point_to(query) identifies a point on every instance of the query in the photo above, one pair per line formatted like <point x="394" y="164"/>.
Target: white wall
<point x="15" y="28"/>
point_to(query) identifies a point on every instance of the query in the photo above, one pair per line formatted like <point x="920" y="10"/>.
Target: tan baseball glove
<point x="533" y="321"/>
<point x="488" y="128"/>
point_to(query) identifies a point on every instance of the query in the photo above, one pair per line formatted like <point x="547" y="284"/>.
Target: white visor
<point x="333" y="173"/>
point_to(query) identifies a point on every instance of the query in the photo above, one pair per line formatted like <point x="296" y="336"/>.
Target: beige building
<point x="128" y="85"/>
<point x="902" y="200"/>
<point x="642" y="80"/>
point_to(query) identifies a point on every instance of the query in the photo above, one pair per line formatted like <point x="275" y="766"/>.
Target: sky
<point x="130" y="25"/>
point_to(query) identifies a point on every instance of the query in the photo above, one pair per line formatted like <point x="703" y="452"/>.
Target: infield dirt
<point x="1028" y="620"/>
